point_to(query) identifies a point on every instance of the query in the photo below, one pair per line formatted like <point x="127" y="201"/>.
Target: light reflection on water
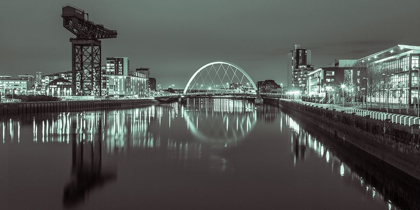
<point x="223" y="125"/>
<point x="362" y="177"/>
<point x="199" y="136"/>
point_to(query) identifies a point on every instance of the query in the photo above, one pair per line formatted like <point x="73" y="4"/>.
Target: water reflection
<point x="194" y="138"/>
<point x="86" y="171"/>
<point x="373" y="178"/>
<point x="221" y="122"/>
<point x="185" y="133"/>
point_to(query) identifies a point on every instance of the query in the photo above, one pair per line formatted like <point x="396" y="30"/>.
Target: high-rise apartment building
<point x="299" y="65"/>
<point x="117" y="66"/>
<point x="145" y="71"/>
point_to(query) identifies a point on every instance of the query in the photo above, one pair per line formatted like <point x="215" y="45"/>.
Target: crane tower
<point x="86" y="51"/>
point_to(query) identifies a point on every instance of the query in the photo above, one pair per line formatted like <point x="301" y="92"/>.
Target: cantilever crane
<point x="86" y="51"/>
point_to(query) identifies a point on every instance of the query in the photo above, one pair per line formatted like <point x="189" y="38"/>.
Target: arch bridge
<point x="220" y="78"/>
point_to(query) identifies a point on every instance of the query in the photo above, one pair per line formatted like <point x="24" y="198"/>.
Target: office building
<point x="152" y="84"/>
<point x="342" y="79"/>
<point x="30" y="79"/>
<point x="123" y="86"/>
<point x="145" y="71"/>
<point x="268" y="86"/>
<point x="394" y="74"/>
<point x="9" y="85"/>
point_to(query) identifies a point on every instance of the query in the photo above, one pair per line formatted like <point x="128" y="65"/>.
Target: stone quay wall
<point x="70" y="106"/>
<point x="396" y="144"/>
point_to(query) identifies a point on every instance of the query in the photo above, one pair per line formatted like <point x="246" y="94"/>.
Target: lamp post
<point x="399" y="95"/>
<point x="418" y="90"/>
<point x="350" y="95"/>
<point x="388" y="89"/>
<point x="344" y="98"/>
<point x="365" y="92"/>
<point x="319" y="88"/>
<point x="384" y="87"/>
<point x="328" y="89"/>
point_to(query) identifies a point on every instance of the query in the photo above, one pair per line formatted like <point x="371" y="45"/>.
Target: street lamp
<point x="366" y="92"/>
<point x="388" y="89"/>
<point x="418" y="89"/>
<point x="383" y="86"/>
<point x="344" y="98"/>
<point x="328" y="89"/>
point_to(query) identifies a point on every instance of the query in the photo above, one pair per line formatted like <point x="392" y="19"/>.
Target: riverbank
<point x="395" y="144"/>
<point x="364" y="169"/>
<point x="70" y="106"/>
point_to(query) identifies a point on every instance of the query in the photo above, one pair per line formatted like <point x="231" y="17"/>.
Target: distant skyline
<point x="175" y="38"/>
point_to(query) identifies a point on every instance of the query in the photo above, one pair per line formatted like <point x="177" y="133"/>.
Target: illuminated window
<point x="330" y="73"/>
<point x="415" y="62"/>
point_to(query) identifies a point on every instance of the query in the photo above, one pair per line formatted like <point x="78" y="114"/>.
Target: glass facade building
<point x="394" y="73"/>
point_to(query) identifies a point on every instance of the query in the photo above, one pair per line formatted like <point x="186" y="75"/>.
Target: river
<point x="205" y="154"/>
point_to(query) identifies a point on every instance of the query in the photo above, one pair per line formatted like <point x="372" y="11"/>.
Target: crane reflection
<point x="86" y="168"/>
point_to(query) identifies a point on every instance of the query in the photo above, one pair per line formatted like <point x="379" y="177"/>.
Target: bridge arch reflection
<point x="234" y="126"/>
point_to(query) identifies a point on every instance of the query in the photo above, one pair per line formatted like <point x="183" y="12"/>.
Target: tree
<point x="377" y="79"/>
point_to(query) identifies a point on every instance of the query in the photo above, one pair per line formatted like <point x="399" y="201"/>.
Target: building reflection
<point x="154" y="128"/>
<point x="10" y="130"/>
<point x="267" y="113"/>
<point x="143" y="127"/>
<point x="213" y="124"/>
<point x="373" y="177"/>
<point x="86" y="168"/>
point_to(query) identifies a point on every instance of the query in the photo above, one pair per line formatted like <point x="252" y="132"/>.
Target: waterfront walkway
<point x="360" y="110"/>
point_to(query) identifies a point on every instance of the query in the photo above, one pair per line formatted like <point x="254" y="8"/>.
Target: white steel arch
<point x="220" y="63"/>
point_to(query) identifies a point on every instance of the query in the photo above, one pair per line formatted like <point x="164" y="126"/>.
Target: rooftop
<point x="398" y="50"/>
<point x="59" y="80"/>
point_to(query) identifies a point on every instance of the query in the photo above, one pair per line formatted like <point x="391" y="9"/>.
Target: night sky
<point x="174" y="38"/>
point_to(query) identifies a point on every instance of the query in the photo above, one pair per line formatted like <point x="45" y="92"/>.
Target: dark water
<point x="207" y="154"/>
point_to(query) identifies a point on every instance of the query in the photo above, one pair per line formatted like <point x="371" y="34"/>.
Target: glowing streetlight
<point x="344" y="98"/>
